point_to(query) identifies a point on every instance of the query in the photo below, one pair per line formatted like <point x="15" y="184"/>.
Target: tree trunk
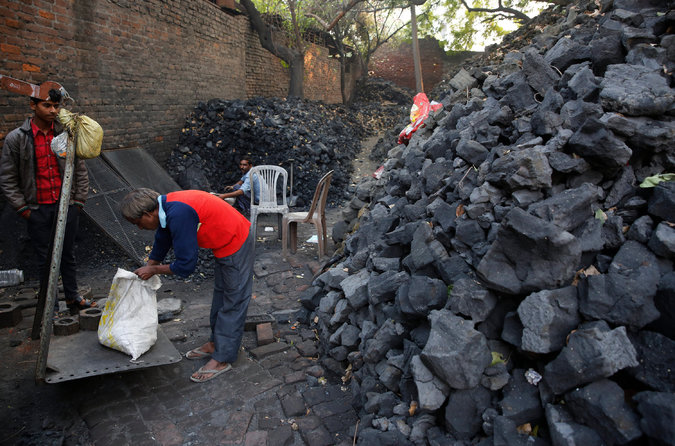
<point x="419" y="85"/>
<point x="294" y="58"/>
<point x="297" y="72"/>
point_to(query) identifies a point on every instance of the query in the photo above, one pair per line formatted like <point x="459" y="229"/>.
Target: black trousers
<point x="40" y="226"/>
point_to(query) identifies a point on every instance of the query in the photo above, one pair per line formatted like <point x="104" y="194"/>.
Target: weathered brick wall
<point x="138" y="67"/>
<point x="267" y="76"/>
<point x="395" y="63"/>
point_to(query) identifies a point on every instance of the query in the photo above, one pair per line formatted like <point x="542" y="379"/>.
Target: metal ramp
<point x="139" y="169"/>
<point x="80" y="355"/>
<point x="111" y="177"/>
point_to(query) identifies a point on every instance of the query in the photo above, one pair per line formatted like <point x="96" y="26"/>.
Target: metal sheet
<point x="140" y="169"/>
<point x="106" y="190"/>
<point x="81" y="355"/>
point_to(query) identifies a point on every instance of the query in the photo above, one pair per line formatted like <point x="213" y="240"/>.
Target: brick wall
<point x="267" y="76"/>
<point x="139" y="67"/>
<point x="395" y="63"/>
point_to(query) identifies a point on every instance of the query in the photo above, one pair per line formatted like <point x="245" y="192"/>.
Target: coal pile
<point x="308" y="137"/>
<point x="381" y="91"/>
<point x="509" y="281"/>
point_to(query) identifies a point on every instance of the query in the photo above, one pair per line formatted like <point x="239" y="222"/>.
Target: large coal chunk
<point x="455" y="351"/>
<point x="602" y="406"/>
<point x="421" y="295"/>
<point x="431" y="390"/>
<point x="656" y="354"/>
<point x="625" y="295"/>
<point x="658" y="412"/>
<point x="593" y="352"/>
<point x="635" y="90"/>
<point x="569" y="208"/>
<point x="598" y="145"/>
<point x="470" y="298"/>
<point x="529" y="254"/>
<point x="564" y="430"/>
<point x="665" y="303"/>
<point x="464" y="410"/>
<point x="662" y="202"/>
<point x="521" y="401"/>
<point x="548" y="316"/>
<point x="521" y="169"/>
<point x="389" y="336"/>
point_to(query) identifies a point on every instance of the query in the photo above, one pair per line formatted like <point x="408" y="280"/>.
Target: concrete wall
<point x="139" y="67"/>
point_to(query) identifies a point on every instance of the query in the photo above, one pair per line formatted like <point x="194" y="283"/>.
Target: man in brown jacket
<point x="31" y="177"/>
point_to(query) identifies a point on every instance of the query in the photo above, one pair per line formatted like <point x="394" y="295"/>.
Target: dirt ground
<point x="46" y="414"/>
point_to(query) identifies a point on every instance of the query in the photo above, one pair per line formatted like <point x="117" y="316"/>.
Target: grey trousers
<point x="231" y="295"/>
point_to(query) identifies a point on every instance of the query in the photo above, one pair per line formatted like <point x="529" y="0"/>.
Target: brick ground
<point x="270" y="397"/>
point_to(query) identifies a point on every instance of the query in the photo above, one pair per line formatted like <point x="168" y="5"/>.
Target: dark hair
<point x="246" y="158"/>
<point x="54" y="96"/>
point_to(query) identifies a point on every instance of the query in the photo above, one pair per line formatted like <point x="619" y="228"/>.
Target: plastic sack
<point x="60" y="145"/>
<point x="419" y="112"/>
<point x="129" y="320"/>
<point x="88" y="133"/>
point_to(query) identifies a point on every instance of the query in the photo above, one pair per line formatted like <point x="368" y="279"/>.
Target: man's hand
<point x="229" y="188"/>
<point x="145" y="272"/>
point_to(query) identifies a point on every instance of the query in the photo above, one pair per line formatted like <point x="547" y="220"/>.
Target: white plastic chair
<point x="271" y="179"/>
<point x="316" y="216"/>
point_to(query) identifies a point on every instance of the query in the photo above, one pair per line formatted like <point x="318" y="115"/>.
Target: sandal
<point x="80" y="303"/>
<point x="213" y="373"/>
<point x="197" y="353"/>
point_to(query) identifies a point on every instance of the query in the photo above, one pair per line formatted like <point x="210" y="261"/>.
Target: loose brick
<point x="264" y="333"/>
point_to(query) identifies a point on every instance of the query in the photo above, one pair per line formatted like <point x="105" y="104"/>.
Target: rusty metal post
<point x="55" y="266"/>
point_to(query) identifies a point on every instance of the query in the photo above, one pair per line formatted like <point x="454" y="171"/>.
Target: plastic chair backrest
<point x="268" y="178"/>
<point x="320" y="196"/>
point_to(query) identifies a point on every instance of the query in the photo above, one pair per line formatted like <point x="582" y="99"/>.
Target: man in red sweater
<point x="189" y="220"/>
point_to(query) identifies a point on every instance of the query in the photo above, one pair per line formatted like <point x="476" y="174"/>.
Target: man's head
<point x="245" y="164"/>
<point x="47" y="109"/>
<point x="140" y="207"/>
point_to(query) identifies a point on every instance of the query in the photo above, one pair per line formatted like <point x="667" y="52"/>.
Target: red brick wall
<point x="267" y="76"/>
<point x="395" y="63"/>
<point x="138" y="67"/>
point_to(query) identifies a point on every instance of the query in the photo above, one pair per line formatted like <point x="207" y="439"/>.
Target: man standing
<point x="192" y="219"/>
<point x="31" y="177"/>
<point x="241" y="190"/>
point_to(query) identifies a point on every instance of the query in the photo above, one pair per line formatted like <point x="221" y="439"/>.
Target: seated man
<point x="241" y="190"/>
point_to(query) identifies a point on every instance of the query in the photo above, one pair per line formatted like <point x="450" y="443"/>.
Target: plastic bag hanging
<point x="88" y="133"/>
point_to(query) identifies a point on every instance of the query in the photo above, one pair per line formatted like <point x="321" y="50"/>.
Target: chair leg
<point x="320" y="237"/>
<point x="254" y="219"/>
<point x="284" y="237"/>
<point x="325" y="235"/>
<point x="293" y="236"/>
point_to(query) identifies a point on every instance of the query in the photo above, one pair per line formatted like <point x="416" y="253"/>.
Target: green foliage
<point x="460" y="29"/>
<point x="497" y="358"/>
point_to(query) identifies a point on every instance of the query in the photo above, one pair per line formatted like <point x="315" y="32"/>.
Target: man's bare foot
<point x="210" y="370"/>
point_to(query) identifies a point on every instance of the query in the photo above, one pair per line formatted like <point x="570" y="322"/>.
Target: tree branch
<point x="342" y="13"/>
<point x="265" y="34"/>
<point x="513" y="12"/>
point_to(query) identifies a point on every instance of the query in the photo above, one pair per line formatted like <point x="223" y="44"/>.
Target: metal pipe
<point x="55" y="267"/>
